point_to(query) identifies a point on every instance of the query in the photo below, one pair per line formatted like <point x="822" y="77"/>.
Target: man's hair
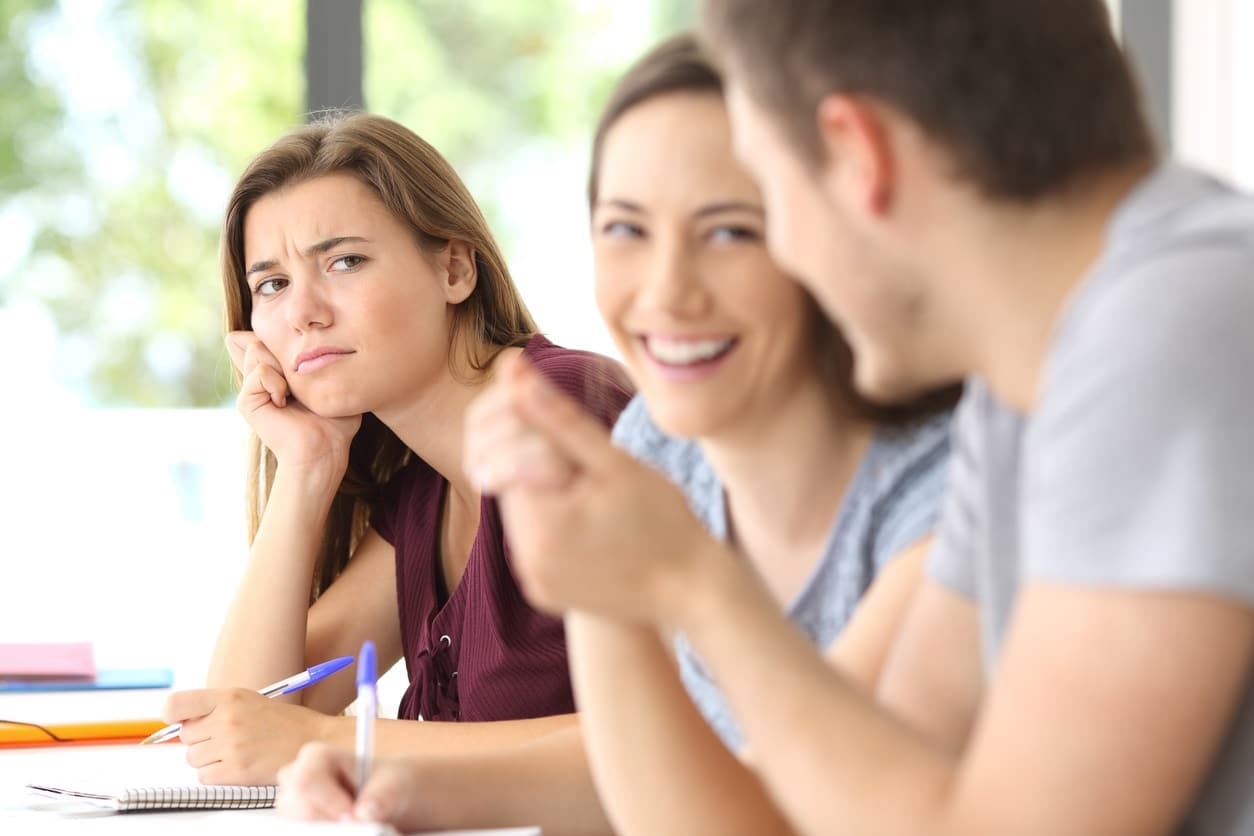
<point x="1026" y="96"/>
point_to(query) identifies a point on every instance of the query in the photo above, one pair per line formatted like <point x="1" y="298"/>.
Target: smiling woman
<point x="367" y="304"/>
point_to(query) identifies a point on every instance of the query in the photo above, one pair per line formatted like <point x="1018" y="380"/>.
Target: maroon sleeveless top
<point x="482" y="653"/>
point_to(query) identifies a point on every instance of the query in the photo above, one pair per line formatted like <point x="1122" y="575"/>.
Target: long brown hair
<point x="679" y="65"/>
<point x="419" y="187"/>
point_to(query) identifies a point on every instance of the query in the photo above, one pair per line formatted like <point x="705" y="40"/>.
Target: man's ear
<point x="858" y="169"/>
<point x="461" y="273"/>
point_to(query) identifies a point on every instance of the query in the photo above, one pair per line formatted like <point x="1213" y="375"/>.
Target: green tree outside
<point x="116" y="193"/>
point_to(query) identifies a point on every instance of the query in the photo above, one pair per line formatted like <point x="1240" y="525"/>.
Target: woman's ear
<point x="460" y="271"/>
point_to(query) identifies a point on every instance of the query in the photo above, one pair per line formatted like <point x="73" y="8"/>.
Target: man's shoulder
<point x="1172" y="297"/>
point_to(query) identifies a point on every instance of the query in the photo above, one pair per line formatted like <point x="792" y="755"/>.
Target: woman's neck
<point x="432" y="423"/>
<point x="784" y="476"/>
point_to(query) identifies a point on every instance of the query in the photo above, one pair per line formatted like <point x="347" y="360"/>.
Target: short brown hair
<point x="1025" y="95"/>
<point x="680" y="65"/>
<point x="420" y="188"/>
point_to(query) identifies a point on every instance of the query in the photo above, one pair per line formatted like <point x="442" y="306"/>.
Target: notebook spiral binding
<point x="138" y="799"/>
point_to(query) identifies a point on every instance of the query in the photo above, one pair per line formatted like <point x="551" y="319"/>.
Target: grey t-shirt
<point x="1137" y="468"/>
<point x="893" y="500"/>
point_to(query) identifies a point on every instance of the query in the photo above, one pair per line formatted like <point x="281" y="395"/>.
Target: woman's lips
<point x="318" y="360"/>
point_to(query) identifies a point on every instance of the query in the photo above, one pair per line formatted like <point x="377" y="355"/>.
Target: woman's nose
<point x="307" y="304"/>
<point x="673" y="282"/>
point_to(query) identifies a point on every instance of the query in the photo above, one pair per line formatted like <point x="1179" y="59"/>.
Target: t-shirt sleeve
<point x="952" y="561"/>
<point x="598" y="383"/>
<point x="911" y="496"/>
<point x="1139" y="467"/>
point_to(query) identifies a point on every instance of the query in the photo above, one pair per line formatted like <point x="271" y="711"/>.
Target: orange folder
<point x="13" y="735"/>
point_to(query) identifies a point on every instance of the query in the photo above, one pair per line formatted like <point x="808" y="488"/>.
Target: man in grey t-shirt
<point x="969" y="188"/>
<point x="1097" y="545"/>
<point x="1136" y="469"/>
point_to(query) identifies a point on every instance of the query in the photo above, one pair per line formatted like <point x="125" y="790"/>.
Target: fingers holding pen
<point x="318" y="784"/>
<point x="391" y="795"/>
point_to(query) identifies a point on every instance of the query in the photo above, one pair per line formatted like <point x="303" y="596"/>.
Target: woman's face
<point x="344" y="297"/>
<point x="715" y="336"/>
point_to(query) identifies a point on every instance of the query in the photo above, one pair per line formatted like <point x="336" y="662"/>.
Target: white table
<point x="112" y="766"/>
<point x="117" y="766"/>
<point x="105" y="767"/>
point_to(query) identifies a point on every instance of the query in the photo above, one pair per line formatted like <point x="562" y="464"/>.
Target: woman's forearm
<point x="402" y="738"/>
<point x="543" y="780"/>
<point x="658" y="765"/>
<point x="500" y="774"/>
<point x="264" y="633"/>
<point x="830" y="757"/>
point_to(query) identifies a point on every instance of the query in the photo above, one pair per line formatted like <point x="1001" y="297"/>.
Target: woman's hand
<point x="502" y="449"/>
<point x="321" y="785"/>
<point x="590" y="527"/>
<point x="296" y="436"/>
<point x="237" y="736"/>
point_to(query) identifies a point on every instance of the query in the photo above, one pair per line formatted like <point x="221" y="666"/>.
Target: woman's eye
<point x="734" y="233"/>
<point x="347" y="262"/>
<point x="269" y="287"/>
<point x="621" y="229"/>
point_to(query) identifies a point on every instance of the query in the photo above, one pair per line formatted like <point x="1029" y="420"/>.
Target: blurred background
<point x="123" y="124"/>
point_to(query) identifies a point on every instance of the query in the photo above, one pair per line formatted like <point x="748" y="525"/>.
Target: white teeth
<point x="686" y="352"/>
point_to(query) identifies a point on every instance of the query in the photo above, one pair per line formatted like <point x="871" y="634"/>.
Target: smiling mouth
<point x="681" y="353"/>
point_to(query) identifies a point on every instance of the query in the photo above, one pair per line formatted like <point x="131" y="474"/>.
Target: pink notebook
<point x="59" y="660"/>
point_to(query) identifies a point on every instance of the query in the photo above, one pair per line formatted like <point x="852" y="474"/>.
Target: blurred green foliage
<point x="121" y="191"/>
<point x="125" y="200"/>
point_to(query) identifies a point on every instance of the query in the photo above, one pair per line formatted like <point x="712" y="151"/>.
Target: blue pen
<point x="284" y="686"/>
<point x="367" y="711"/>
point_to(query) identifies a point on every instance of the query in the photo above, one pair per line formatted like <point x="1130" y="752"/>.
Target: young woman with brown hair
<point x="367" y="305"/>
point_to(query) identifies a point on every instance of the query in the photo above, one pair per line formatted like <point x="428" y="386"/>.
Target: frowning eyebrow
<point x="705" y="211"/>
<point x="313" y="249"/>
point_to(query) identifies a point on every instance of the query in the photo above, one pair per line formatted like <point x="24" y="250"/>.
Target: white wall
<point x="1213" y="86"/>
<point x="126" y="528"/>
<point x="122" y="527"/>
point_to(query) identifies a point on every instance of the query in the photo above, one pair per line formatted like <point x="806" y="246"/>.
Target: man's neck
<point x="1023" y="266"/>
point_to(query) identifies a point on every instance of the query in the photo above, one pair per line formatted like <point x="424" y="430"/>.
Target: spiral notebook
<point x="137" y="799"/>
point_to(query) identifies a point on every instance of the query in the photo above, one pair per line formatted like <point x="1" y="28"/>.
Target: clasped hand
<point x="589" y="527"/>
<point x="237" y="736"/>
